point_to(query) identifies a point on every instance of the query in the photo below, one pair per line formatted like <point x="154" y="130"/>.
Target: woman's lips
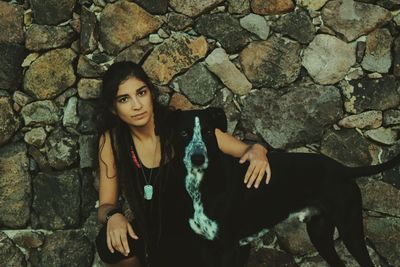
<point x="139" y="115"/>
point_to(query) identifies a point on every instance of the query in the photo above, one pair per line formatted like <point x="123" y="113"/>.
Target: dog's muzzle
<point x="196" y="150"/>
<point x="197" y="159"/>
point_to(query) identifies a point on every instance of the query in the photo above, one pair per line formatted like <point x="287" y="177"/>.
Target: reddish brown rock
<point x="179" y="101"/>
<point x="271" y="7"/>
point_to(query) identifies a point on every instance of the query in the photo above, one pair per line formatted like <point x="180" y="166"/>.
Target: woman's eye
<point x="142" y="93"/>
<point x="123" y="99"/>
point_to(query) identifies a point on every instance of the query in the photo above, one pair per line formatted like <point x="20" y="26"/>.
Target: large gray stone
<point x="64" y="248"/>
<point x="296" y="25"/>
<point x="11" y="58"/>
<point x="352" y="19"/>
<point x="348" y="147"/>
<point x="43" y="37"/>
<point x="40" y="113"/>
<point x="11" y="23"/>
<point x="272" y="63"/>
<point x="50" y="74"/>
<point x="56" y="200"/>
<point x="15" y="186"/>
<point x="123" y="23"/>
<point x="295" y="118"/>
<point x="369" y="94"/>
<point x="52" y="12"/>
<point x="327" y="59"/>
<point x="380" y="196"/>
<point x="224" y="28"/>
<point x="197" y="84"/>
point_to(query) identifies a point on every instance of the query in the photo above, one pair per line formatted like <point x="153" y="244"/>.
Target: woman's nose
<point x="135" y="104"/>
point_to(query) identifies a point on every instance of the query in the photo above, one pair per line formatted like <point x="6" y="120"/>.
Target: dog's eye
<point x="207" y="131"/>
<point x="184" y="133"/>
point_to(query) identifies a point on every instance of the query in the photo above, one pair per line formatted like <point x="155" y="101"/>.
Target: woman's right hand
<point x="118" y="229"/>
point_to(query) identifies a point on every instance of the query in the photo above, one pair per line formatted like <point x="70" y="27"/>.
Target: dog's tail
<point x="370" y="170"/>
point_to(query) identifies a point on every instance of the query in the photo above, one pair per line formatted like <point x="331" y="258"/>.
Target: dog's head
<point x="195" y="143"/>
<point x="194" y="139"/>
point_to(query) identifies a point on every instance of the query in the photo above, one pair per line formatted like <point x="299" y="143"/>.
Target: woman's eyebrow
<point x="119" y="96"/>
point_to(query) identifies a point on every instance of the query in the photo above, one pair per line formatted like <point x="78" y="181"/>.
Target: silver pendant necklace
<point x="148" y="188"/>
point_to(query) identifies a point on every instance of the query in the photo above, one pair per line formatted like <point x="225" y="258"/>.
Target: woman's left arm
<point x="256" y="154"/>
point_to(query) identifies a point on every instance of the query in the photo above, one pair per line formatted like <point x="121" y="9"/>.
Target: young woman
<point x="135" y="151"/>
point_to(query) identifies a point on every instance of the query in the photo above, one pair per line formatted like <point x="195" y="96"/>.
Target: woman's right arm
<point x="117" y="225"/>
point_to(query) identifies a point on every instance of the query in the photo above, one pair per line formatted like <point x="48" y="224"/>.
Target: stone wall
<point x="312" y="75"/>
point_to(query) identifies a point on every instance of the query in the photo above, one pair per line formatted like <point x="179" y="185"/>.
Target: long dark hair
<point x="127" y="173"/>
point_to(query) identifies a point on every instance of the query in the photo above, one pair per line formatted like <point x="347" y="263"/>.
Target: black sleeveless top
<point x="175" y="204"/>
<point x="151" y="207"/>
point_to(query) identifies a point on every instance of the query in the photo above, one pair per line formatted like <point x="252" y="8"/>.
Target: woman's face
<point x="134" y="102"/>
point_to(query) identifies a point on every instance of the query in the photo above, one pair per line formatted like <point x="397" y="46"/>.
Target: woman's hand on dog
<point x="259" y="165"/>
<point x="118" y="229"/>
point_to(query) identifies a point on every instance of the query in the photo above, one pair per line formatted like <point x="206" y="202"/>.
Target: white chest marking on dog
<point x="304" y="215"/>
<point x="200" y="223"/>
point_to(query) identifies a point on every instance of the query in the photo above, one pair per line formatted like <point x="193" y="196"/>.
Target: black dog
<point x="228" y="215"/>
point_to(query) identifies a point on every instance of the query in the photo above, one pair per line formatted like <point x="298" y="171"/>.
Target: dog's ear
<point x="219" y="118"/>
<point x="168" y="122"/>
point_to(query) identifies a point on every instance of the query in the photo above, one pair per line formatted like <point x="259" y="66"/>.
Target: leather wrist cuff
<point x="111" y="212"/>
